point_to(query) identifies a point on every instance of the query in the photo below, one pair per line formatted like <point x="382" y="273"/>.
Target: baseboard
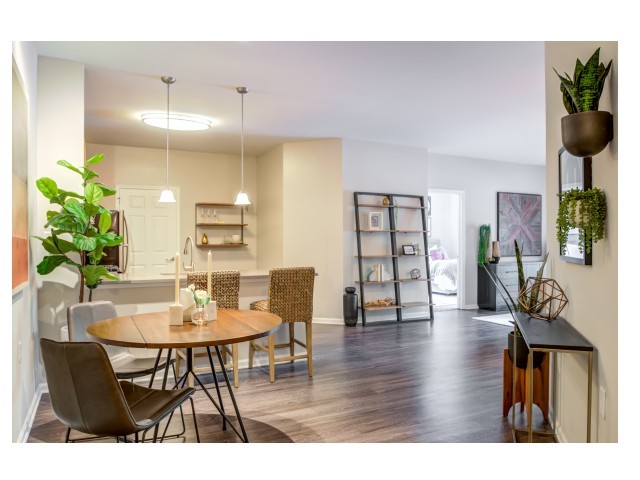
<point x="470" y="307"/>
<point x="560" y="435"/>
<point x="31" y="414"/>
<point x="328" y="321"/>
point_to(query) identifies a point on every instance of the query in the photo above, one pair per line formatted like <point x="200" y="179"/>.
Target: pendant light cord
<point x="167" y="184"/>
<point x="242" y="142"/>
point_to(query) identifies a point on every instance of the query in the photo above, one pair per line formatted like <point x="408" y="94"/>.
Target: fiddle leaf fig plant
<point x="584" y="209"/>
<point x="582" y="93"/>
<point x="79" y="227"/>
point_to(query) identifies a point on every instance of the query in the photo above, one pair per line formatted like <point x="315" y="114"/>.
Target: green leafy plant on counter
<point x="79" y="228"/>
<point x="584" y="209"/>
<point x="582" y="92"/>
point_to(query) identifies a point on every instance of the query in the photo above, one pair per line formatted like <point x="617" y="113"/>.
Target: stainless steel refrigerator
<point x="117" y="258"/>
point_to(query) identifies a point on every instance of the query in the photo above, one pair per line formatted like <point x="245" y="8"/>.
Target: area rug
<point x="502" y="319"/>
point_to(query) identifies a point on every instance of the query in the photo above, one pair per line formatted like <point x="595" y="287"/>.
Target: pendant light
<point x="242" y="198"/>
<point x="166" y="196"/>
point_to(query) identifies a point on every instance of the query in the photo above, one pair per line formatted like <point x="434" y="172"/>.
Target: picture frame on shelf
<point x="375" y="220"/>
<point x="408" y="250"/>
<point x="574" y="172"/>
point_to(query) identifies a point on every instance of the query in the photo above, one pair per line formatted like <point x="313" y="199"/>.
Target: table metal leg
<point x="233" y="398"/>
<point x="215" y="381"/>
<point x="530" y="396"/>
<point x="155" y="368"/>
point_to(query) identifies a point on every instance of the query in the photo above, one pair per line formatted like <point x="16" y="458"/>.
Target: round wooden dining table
<point x="152" y="330"/>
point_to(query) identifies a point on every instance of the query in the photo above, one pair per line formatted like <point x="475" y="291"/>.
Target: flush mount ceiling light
<point x="242" y="198"/>
<point x="176" y="121"/>
<point x="166" y="196"/>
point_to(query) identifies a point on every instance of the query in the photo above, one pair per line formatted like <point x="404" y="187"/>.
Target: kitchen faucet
<point x="188" y="268"/>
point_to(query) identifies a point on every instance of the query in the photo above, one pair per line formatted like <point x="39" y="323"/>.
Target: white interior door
<point x="153" y="229"/>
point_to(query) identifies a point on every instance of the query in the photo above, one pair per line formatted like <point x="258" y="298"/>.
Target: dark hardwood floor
<point x="409" y="382"/>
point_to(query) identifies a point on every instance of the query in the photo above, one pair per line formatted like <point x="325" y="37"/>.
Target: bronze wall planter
<point x="585" y="134"/>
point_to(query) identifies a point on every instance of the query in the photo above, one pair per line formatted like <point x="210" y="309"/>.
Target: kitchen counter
<point x="162" y="280"/>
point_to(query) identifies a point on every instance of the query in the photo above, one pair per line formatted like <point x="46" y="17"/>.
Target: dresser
<point x="488" y="297"/>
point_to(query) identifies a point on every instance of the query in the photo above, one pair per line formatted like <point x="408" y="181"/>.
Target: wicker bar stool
<point x="225" y="291"/>
<point x="290" y="296"/>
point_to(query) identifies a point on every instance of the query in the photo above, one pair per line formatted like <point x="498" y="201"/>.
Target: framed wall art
<point x="574" y="172"/>
<point x="520" y="218"/>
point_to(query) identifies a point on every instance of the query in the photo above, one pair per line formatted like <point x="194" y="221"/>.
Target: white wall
<point x="380" y="168"/>
<point x="25" y="371"/>
<point x="481" y="180"/>
<point x="60" y="124"/>
<point x="201" y="177"/>
<point x="592" y="290"/>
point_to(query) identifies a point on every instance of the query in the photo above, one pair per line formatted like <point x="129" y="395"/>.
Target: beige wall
<point x="312" y="218"/>
<point x="201" y="177"/>
<point x="270" y="198"/>
<point x="592" y="290"/>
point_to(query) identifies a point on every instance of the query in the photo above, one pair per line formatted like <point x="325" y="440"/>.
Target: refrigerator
<point x="117" y="258"/>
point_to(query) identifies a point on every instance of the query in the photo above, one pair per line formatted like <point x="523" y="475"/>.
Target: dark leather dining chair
<point x="125" y="365"/>
<point x="290" y="296"/>
<point x="86" y="395"/>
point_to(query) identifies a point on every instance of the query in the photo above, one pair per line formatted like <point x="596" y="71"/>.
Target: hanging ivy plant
<point x="584" y="209"/>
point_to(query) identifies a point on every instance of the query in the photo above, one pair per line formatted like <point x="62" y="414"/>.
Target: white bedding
<point x="444" y="275"/>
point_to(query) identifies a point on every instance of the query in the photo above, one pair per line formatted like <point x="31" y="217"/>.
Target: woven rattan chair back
<point x="225" y="287"/>
<point x="291" y="293"/>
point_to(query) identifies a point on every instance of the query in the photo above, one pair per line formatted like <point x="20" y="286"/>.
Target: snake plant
<point x="582" y="93"/>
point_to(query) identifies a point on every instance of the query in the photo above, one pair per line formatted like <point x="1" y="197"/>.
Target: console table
<point x="555" y="336"/>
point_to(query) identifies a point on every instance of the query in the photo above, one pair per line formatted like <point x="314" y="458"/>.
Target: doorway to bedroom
<point x="446" y="247"/>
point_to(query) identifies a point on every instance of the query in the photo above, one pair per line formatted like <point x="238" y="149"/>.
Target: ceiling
<point x="472" y="99"/>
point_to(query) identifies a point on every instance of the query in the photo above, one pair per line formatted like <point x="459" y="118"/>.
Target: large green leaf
<point x="88" y="174"/>
<point x="63" y="194"/>
<point x="66" y="164"/>
<point x="56" y="245"/>
<point x="589" y="91"/>
<point x="51" y="214"/>
<point x="84" y="243"/>
<point x="51" y="262"/>
<point x="92" y="210"/>
<point x="95" y="159"/>
<point x="77" y="211"/>
<point x="104" y="223"/>
<point x="48" y="187"/>
<point x="92" y="274"/>
<point x="109" y="239"/>
<point x="58" y="219"/>
<point x="106" y="191"/>
<point x="93" y="193"/>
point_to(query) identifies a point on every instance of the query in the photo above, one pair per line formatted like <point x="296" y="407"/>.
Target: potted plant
<point x="584" y="209"/>
<point x="585" y="131"/>
<point x="79" y="227"/>
<point x="522" y="351"/>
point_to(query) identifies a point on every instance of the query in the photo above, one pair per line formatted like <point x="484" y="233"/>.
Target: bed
<point x="444" y="270"/>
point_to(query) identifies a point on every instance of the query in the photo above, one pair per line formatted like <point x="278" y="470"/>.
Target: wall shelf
<point x="216" y="228"/>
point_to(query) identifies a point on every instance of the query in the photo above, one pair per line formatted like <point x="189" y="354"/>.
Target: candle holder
<point x="175" y="314"/>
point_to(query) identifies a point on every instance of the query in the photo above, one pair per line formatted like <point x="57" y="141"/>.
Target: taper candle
<point x="209" y="273"/>
<point x="177" y="301"/>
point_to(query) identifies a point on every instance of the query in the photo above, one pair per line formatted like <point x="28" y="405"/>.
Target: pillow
<point x="436" y="254"/>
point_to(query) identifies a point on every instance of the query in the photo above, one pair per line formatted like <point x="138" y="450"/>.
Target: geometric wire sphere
<point x="542" y="298"/>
